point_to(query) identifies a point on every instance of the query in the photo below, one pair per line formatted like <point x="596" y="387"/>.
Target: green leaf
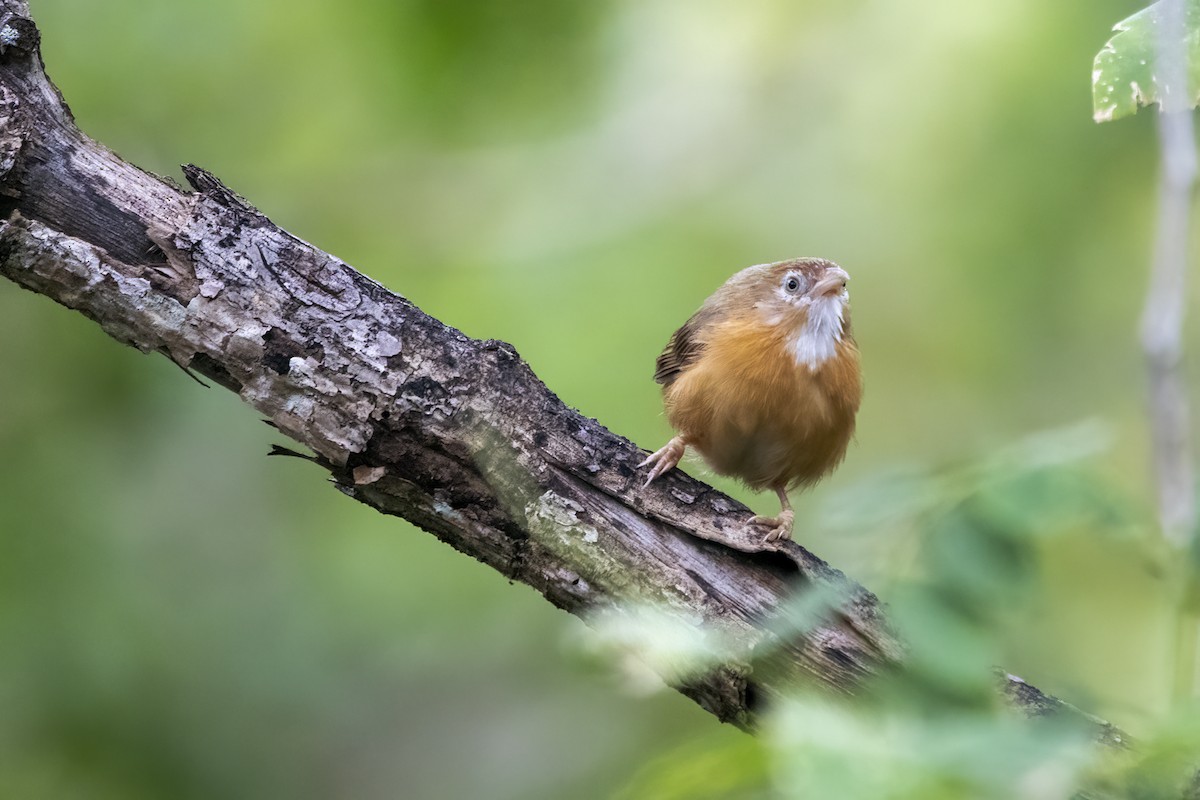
<point x="1124" y="74"/>
<point x="826" y="749"/>
<point x="711" y="768"/>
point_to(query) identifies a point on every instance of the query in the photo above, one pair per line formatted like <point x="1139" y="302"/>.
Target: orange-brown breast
<point x="753" y="413"/>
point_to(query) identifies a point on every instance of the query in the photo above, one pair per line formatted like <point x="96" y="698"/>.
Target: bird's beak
<point x="831" y="283"/>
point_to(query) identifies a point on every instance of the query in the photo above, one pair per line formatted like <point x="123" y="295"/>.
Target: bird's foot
<point x="664" y="459"/>
<point x="780" y="526"/>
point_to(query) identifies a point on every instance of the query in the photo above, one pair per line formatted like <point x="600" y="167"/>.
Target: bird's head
<point x="809" y="299"/>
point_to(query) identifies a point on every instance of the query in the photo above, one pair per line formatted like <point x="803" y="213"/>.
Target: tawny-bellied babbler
<point x="764" y="380"/>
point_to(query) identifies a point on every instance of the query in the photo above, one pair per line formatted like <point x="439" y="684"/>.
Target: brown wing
<point x="681" y="351"/>
<point x="689" y="341"/>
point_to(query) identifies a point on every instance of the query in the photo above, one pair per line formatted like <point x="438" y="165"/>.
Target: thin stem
<point x="1163" y="314"/>
<point x="1162" y="331"/>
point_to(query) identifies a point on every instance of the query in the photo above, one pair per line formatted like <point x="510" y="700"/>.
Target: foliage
<point x="937" y="731"/>
<point x="707" y="768"/>
<point x="1126" y="74"/>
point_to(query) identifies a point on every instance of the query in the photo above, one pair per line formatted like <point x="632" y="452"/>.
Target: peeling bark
<point x="409" y="415"/>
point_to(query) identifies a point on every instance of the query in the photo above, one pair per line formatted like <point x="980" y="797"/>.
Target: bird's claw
<point x="780" y="527"/>
<point x="664" y="459"/>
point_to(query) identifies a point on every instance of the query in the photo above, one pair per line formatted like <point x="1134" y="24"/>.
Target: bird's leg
<point x="665" y="458"/>
<point x="780" y="526"/>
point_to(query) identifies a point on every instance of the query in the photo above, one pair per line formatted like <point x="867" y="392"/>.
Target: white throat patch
<point x="818" y="340"/>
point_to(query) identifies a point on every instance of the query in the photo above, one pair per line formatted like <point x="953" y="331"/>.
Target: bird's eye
<point x="792" y="284"/>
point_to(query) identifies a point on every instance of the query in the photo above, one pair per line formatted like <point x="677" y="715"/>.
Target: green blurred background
<point x="182" y="617"/>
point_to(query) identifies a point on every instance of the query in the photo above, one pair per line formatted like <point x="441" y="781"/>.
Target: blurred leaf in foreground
<point x="704" y="770"/>
<point x="1125" y="75"/>
<point x="1161" y="764"/>
<point x="829" y="749"/>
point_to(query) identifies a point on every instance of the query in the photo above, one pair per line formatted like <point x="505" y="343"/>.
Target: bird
<point x="764" y="381"/>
